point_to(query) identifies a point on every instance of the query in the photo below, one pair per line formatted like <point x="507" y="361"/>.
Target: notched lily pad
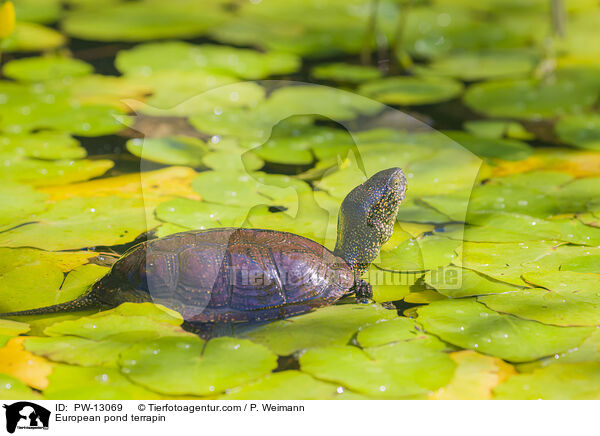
<point x="471" y="325"/>
<point x="407" y="91"/>
<point x="181" y="366"/>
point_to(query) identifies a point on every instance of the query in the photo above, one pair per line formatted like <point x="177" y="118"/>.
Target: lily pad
<point x="181" y="366"/>
<point x="565" y="381"/>
<point x="44" y="284"/>
<point x="200" y="215"/>
<point x="42" y="145"/>
<point x="582" y="131"/>
<point x="471" y="325"/>
<point x="407" y="91"/>
<point x="482" y="65"/>
<point x="171" y="150"/>
<point x="507" y="149"/>
<point x="81" y="222"/>
<point x="146" y="59"/>
<point x="29" y="37"/>
<point x="39" y="69"/>
<point x="141" y="21"/>
<point x="345" y="73"/>
<point x="528" y="99"/>
<point x="19" y="363"/>
<point x="475" y="377"/>
<point x="285" y="385"/>
<point x="498" y="129"/>
<point x="418" y="254"/>
<point x="92" y="383"/>
<point x="583" y="264"/>
<point x="19" y="201"/>
<point x="328" y="326"/>
<point x="246" y="189"/>
<point x="471" y="284"/>
<point x="401" y="370"/>
<point x="12" y="388"/>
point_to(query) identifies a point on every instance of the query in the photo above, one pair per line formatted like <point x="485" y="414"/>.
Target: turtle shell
<point x="235" y="275"/>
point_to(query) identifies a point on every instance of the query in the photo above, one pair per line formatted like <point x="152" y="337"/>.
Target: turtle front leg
<point x="363" y="291"/>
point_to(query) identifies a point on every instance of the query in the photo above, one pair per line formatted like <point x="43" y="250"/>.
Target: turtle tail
<point x="87" y="301"/>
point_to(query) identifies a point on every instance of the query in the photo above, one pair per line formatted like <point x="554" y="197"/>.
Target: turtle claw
<point x="363" y="292"/>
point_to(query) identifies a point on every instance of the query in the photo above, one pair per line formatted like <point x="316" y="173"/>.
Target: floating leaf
<point x="44" y="284"/>
<point x="482" y="65"/>
<point x="348" y="73"/>
<point x="418" y="254"/>
<point x="471" y="284"/>
<point x="15" y="361"/>
<point x="584" y="264"/>
<point x="528" y="99"/>
<point x="566" y="381"/>
<point x="180" y="366"/>
<point x="497" y="129"/>
<point x="19" y="201"/>
<point x="389" y="331"/>
<point x="399" y="370"/>
<point x="200" y="215"/>
<point x="146" y="59"/>
<point x="172" y="150"/>
<point x="32" y="37"/>
<point x="328" y="326"/>
<point x="39" y="69"/>
<point x="81" y="222"/>
<point x="507" y="149"/>
<point x="12" y="388"/>
<point x="285" y="385"/>
<point x="42" y="145"/>
<point x="475" y="377"/>
<point x="406" y="91"/>
<point x="140" y="21"/>
<point x="469" y="324"/>
<point x="92" y="383"/>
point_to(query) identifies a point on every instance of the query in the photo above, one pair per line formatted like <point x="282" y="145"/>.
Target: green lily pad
<point x="67" y="382"/>
<point x="185" y="93"/>
<point x="32" y="37"/>
<point x="37" y="172"/>
<point x="285" y="385"/>
<point x="418" y="254"/>
<point x="497" y="129"/>
<point x="39" y="69"/>
<point x="12" y="388"/>
<point x="390" y="331"/>
<point x="582" y="131"/>
<point x="529" y="99"/>
<point x="38" y="11"/>
<point x="12" y="328"/>
<point x="469" y="324"/>
<point x="146" y="59"/>
<point x="141" y="21"/>
<point x="481" y="65"/>
<point x="200" y="215"/>
<point x="555" y="308"/>
<point x="81" y="222"/>
<point x="345" y="73"/>
<point x="407" y="91"/>
<point x="389" y="285"/>
<point x="233" y="159"/>
<point x="578" y="195"/>
<point x="583" y="264"/>
<point x="404" y="369"/>
<point x="471" y="284"/>
<point x="98" y="340"/>
<point x="44" y="284"/>
<point x="42" y="145"/>
<point x="328" y="326"/>
<point x="246" y="189"/>
<point x="549" y="182"/>
<point x="510" y="227"/>
<point x="18" y="202"/>
<point x="577" y="284"/>
<point x="181" y="366"/>
<point x="170" y="150"/>
<point x="565" y="381"/>
<point x="507" y="149"/>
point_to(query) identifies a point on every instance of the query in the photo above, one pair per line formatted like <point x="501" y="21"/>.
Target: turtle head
<point x="367" y="216"/>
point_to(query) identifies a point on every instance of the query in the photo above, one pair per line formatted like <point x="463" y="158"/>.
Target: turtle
<point x="237" y="275"/>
